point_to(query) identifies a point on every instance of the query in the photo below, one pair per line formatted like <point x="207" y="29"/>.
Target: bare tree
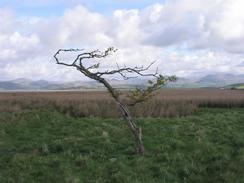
<point x="138" y="95"/>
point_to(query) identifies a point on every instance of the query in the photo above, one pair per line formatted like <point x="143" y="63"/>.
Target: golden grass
<point x="167" y="102"/>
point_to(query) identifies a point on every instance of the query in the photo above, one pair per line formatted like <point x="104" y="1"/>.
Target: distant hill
<point x="220" y="80"/>
<point x="238" y="86"/>
<point x="27" y="84"/>
<point x="213" y="80"/>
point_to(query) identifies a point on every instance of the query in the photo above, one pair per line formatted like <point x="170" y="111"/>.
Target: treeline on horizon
<point x="166" y="103"/>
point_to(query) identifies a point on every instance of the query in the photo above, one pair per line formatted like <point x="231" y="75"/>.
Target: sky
<point x="186" y="38"/>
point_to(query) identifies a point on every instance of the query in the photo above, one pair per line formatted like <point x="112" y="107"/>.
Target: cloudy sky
<point x="185" y="37"/>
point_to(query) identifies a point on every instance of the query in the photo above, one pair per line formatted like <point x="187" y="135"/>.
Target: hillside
<point x="213" y="80"/>
<point x="238" y="86"/>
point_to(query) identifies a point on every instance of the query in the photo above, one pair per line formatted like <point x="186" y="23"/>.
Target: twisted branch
<point x="137" y="95"/>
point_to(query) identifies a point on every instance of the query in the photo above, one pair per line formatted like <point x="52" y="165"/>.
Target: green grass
<point x="47" y="146"/>
<point x="238" y="86"/>
<point x="241" y="87"/>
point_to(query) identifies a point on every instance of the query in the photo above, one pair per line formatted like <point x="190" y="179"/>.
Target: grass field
<point x="167" y="103"/>
<point x="44" y="145"/>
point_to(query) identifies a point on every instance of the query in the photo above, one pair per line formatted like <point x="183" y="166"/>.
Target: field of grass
<point x="44" y="145"/>
<point x="167" y="103"/>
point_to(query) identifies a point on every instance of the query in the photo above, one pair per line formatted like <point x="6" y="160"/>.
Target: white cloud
<point x="203" y="24"/>
<point x="125" y="28"/>
<point x="228" y="24"/>
<point x="185" y="37"/>
<point x="79" y="26"/>
<point x="17" y="41"/>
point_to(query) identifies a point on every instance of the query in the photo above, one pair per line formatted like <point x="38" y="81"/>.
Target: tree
<point x="136" y="96"/>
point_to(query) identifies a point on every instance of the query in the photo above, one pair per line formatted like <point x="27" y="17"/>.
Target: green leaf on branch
<point x="96" y="66"/>
<point x="140" y="95"/>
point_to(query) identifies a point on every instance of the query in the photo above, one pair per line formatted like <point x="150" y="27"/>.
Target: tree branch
<point x="137" y="95"/>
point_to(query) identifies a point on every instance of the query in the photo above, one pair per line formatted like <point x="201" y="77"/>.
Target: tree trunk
<point x="136" y="131"/>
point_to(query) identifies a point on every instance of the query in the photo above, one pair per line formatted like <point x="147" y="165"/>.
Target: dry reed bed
<point x="167" y="102"/>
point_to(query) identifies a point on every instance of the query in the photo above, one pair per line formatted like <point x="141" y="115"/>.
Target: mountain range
<point x="212" y="80"/>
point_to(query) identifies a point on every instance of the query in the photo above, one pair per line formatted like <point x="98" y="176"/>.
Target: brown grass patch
<point x="167" y="102"/>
